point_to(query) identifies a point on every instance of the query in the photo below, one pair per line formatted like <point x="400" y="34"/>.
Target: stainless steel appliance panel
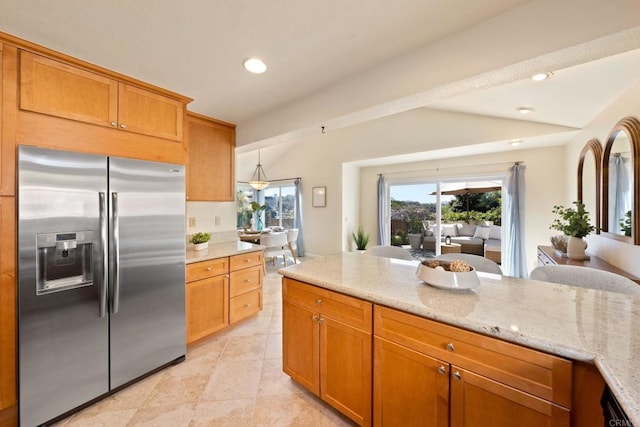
<point x="147" y="244"/>
<point x="63" y="340"/>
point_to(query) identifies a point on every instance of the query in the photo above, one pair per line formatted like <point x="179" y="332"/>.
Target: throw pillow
<point x="449" y="230"/>
<point x="495" y="232"/>
<point x="428" y="233"/>
<point x="466" y="229"/>
<point x="482" y="233"/>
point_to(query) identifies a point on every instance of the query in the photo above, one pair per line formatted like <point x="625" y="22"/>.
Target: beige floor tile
<point x="293" y="410"/>
<point x="181" y="384"/>
<point x="210" y="348"/>
<point x="176" y="415"/>
<point x="274" y="382"/>
<point x="274" y="347"/>
<point x="87" y="418"/>
<point x="233" y="380"/>
<point x="231" y="413"/>
<point x="250" y="347"/>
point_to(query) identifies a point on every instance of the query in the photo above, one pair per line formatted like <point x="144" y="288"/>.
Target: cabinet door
<point x="345" y="369"/>
<point x="54" y="88"/>
<point x="409" y="388"/>
<point x="300" y="346"/>
<point x="8" y="118"/>
<point x="7" y="302"/>
<point x="210" y="160"/>
<point x="207" y="308"/>
<point x="148" y="113"/>
<point x="480" y="401"/>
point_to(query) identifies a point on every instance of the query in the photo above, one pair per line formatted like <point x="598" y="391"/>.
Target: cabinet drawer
<point x="245" y="305"/>
<point x="204" y="269"/>
<point x="246" y="260"/>
<point x="537" y="373"/>
<point x="246" y="280"/>
<point x="346" y="309"/>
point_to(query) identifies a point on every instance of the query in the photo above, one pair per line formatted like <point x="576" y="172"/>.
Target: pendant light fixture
<point x="259" y="178"/>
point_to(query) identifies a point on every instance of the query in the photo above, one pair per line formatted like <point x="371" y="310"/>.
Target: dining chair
<point x="292" y="241"/>
<point x="585" y="277"/>
<point x="275" y="246"/>
<point x="389" y="252"/>
<point x="476" y="261"/>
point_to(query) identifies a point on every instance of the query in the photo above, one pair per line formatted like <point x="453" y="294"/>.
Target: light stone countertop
<point x="577" y="323"/>
<point x="221" y="250"/>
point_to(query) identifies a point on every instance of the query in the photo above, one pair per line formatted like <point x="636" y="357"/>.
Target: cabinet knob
<point x="123" y="126"/>
<point x="457" y="375"/>
<point x="247" y="260"/>
<point x="442" y="370"/>
<point x="247" y="305"/>
<point x="114" y="124"/>
<point x="318" y="301"/>
<point x="450" y="346"/>
<point x="208" y="268"/>
<point x="247" y="280"/>
<point x="314" y="317"/>
<point x="320" y="319"/>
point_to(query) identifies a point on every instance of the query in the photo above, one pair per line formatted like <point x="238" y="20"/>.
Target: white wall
<point x="206" y="213"/>
<point x="544" y="170"/>
<point x="622" y="255"/>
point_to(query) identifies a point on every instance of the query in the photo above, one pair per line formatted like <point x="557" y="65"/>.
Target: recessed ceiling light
<point x="254" y="65"/>
<point x="526" y="109"/>
<point x="541" y="76"/>
<point x="516" y="141"/>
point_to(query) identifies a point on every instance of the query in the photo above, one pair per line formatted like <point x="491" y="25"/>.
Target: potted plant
<point x="575" y="224"/>
<point x="415" y="233"/>
<point x="361" y="239"/>
<point x="200" y="240"/>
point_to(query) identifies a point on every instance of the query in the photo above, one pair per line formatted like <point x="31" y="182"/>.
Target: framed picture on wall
<point x="319" y="197"/>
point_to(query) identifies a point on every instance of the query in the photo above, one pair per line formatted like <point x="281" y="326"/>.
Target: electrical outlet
<point x="217" y="220"/>
<point x="192" y="221"/>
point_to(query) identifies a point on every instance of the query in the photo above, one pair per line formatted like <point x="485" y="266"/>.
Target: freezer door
<point x="147" y="244"/>
<point x="62" y="331"/>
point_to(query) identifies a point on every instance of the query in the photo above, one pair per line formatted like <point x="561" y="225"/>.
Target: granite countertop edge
<point x="221" y="250"/>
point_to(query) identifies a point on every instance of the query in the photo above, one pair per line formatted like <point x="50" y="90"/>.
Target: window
<point x="281" y="205"/>
<point x="244" y="196"/>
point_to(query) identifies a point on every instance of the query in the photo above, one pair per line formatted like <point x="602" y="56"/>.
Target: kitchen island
<point x="580" y="325"/>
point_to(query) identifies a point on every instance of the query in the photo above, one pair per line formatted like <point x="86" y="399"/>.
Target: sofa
<point x="473" y="239"/>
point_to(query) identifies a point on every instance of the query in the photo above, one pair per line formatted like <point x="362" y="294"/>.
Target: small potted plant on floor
<point x="361" y="239"/>
<point x="200" y="240"/>
<point x="574" y="223"/>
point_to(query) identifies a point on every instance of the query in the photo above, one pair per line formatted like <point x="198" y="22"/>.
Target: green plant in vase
<point x="257" y="210"/>
<point x="574" y="223"/>
<point x="625" y="224"/>
<point x="200" y="240"/>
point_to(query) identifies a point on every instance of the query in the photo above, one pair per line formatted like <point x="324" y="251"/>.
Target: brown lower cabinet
<point x="422" y="372"/>
<point x="327" y="347"/>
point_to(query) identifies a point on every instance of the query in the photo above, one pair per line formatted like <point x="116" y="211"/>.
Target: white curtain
<point x="298" y="219"/>
<point x="383" y="238"/>
<point x="514" y="260"/>
<point x="620" y="192"/>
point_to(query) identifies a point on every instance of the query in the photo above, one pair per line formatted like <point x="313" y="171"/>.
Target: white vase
<point x="415" y="240"/>
<point x="576" y="247"/>
<point x="200" y="246"/>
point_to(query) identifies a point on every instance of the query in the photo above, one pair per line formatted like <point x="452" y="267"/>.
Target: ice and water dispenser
<point x="63" y="261"/>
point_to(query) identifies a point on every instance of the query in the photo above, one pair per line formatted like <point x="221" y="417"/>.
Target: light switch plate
<point x="192" y="221"/>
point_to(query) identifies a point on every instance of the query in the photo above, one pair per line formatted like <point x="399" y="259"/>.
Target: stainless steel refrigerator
<point x="101" y="276"/>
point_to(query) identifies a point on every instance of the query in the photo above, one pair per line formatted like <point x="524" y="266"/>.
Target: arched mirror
<point x="589" y="173"/>
<point x="620" y="174"/>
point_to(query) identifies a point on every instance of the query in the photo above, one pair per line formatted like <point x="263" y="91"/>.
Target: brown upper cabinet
<point x="8" y="95"/>
<point x="210" y="159"/>
<point x="58" y="89"/>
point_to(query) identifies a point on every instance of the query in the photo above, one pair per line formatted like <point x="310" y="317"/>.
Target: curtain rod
<point x="454" y="167"/>
<point x="275" y="180"/>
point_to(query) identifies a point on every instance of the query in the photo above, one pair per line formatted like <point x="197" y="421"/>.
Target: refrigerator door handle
<point x="115" y="273"/>
<point x="105" y="253"/>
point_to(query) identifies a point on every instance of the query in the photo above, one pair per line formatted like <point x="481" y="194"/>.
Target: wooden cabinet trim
<point x="349" y="310"/>
<point x="8" y="115"/>
<point x="243" y="281"/>
<point x="245" y="260"/>
<point x="204" y="269"/>
<point x="8" y="339"/>
<point x="538" y="373"/>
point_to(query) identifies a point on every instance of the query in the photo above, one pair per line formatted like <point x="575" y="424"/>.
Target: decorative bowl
<point x="447" y="279"/>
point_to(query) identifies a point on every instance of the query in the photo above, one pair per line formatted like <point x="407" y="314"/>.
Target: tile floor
<point x="233" y="379"/>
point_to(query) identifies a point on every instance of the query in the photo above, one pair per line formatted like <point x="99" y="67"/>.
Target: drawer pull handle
<point x="123" y="126"/>
<point x="321" y="319"/>
<point x="208" y="268"/>
<point x="114" y="124"/>
<point x="450" y="346"/>
<point x="247" y="280"/>
<point x="314" y="317"/>
<point x="457" y="375"/>
<point x="318" y="301"/>
<point x="247" y="260"/>
<point x="247" y="305"/>
<point x="442" y="370"/>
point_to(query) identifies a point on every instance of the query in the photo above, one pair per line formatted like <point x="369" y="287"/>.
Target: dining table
<point x="253" y="236"/>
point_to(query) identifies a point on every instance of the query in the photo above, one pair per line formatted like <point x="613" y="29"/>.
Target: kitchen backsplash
<point x="217" y="237"/>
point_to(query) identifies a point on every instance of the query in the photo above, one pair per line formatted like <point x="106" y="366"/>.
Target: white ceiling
<point x="339" y="62"/>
